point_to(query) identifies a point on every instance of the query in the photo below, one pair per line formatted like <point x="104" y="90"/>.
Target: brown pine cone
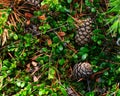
<point x="84" y="32"/>
<point x="82" y="70"/>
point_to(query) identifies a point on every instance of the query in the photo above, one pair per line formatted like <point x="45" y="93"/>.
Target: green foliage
<point x="3" y="19"/>
<point x="40" y="65"/>
<point x="113" y="20"/>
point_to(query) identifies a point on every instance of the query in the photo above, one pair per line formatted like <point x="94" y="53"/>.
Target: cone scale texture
<point x="84" y="32"/>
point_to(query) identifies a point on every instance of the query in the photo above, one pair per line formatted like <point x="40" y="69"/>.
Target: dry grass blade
<point x="80" y="22"/>
<point x="4" y="36"/>
<point x="5" y="3"/>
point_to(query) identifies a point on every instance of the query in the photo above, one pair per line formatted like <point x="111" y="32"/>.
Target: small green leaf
<point x="54" y="94"/>
<point x="22" y="84"/>
<point x="84" y="49"/>
<point x="90" y="94"/>
<point x="93" y="10"/>
<point x="75" y="56"/>
<point x="18" y="83"/>
<point x="84" y="56"/>
<point x="99" y="42"/>
<point x="55" y="39"/>
<point x="15" y="37"/>
<point x="63" y="90"/>
<point x="106" y="73"/>
<point x="69" y="1"/>
<point x="61" y="61"/>
<point x="51" y="73"/>
<point x="4" y="68"/>
<point x="60" y="47"/>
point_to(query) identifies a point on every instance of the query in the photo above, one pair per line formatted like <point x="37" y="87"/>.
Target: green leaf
<point x="93" y="10"/>
<point x="61" y="61"/>
<point x="56" y="39"/>
<point x="84" y="56"/>
<point x="4" y="68"/>
<point x="63" y="90"/>
<point x="90" y="94"/>
<point x="99" y="42"/>
<point x="75" y="56"/>
<point x="22" y="84"/>
<point x="44" y="49"/>
<point x="18" y="83"/>
<point x="69" y="1"/>
<point x="54" y="94"/>
<point x="51" y="73"/>
<point x="15" y="36"/>
<point x="60" y="47"/>
<point x="84" y="49"/>
<point x="106" y="73"/>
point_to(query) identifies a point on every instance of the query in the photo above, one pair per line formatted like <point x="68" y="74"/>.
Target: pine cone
<point x="84" y="32"/>
<point x="82" y="70"/>
<point x="34" y="2"/>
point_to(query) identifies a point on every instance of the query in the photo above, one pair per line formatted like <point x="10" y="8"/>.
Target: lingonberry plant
<point x="59" y="48"/>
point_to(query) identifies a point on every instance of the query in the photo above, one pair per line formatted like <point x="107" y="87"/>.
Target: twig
<point x="100" y="72"/>
<point x="111" y="61"/>
<point x="70" y="47"/>
<point x="75" y="91"/>
<point x="54" y="29"/>
<point x="81" y="6"/>
<point x="8" y="45"/>
<point x="80" y="22"/>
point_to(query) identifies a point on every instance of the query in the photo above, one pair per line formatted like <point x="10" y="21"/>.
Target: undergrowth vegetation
<point x="38" y="48"/>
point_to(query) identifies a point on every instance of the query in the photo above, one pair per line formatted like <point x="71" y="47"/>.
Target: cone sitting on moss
<point x="84" y="32"/>
<point x="82" y="70"/>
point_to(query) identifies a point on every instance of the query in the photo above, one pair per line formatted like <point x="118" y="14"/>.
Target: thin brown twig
<point x="75" y="91"/>
<point x="81" y="6"/>
<point x="100" y="72"/>
<point x="80" y="22"/>
<point x="110" y="61"/>
<point x="70" y="47"/>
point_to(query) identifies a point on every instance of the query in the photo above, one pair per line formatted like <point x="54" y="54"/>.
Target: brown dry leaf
<point x="35" y="79"/>
<point x="42" y="17"/>
<point x="5" y="3"/>
<point x="28" y="68"/>
<point x="28" y="15"/>
<point x="28" y="22"/>
<point x="4" y="36"/>
<point x="61" y="34"/>
<point x="34" y="63"/>
<point x="49" y="42"/>
<point x="44" y="7"/>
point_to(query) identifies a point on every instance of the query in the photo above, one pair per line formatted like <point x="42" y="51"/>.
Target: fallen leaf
<point x="28" y="22"/>
<point x="34" y="63"/>
<point x="44" y="7"/>
<point x="35" y="79"/>
<point x="36" y="68"/>
<point x="49" y="42"/>
<point x="28" y="15"/>
<point x="61" y="34"/>
<point x="42" y="17"/>
<point x="28" y="67"/>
